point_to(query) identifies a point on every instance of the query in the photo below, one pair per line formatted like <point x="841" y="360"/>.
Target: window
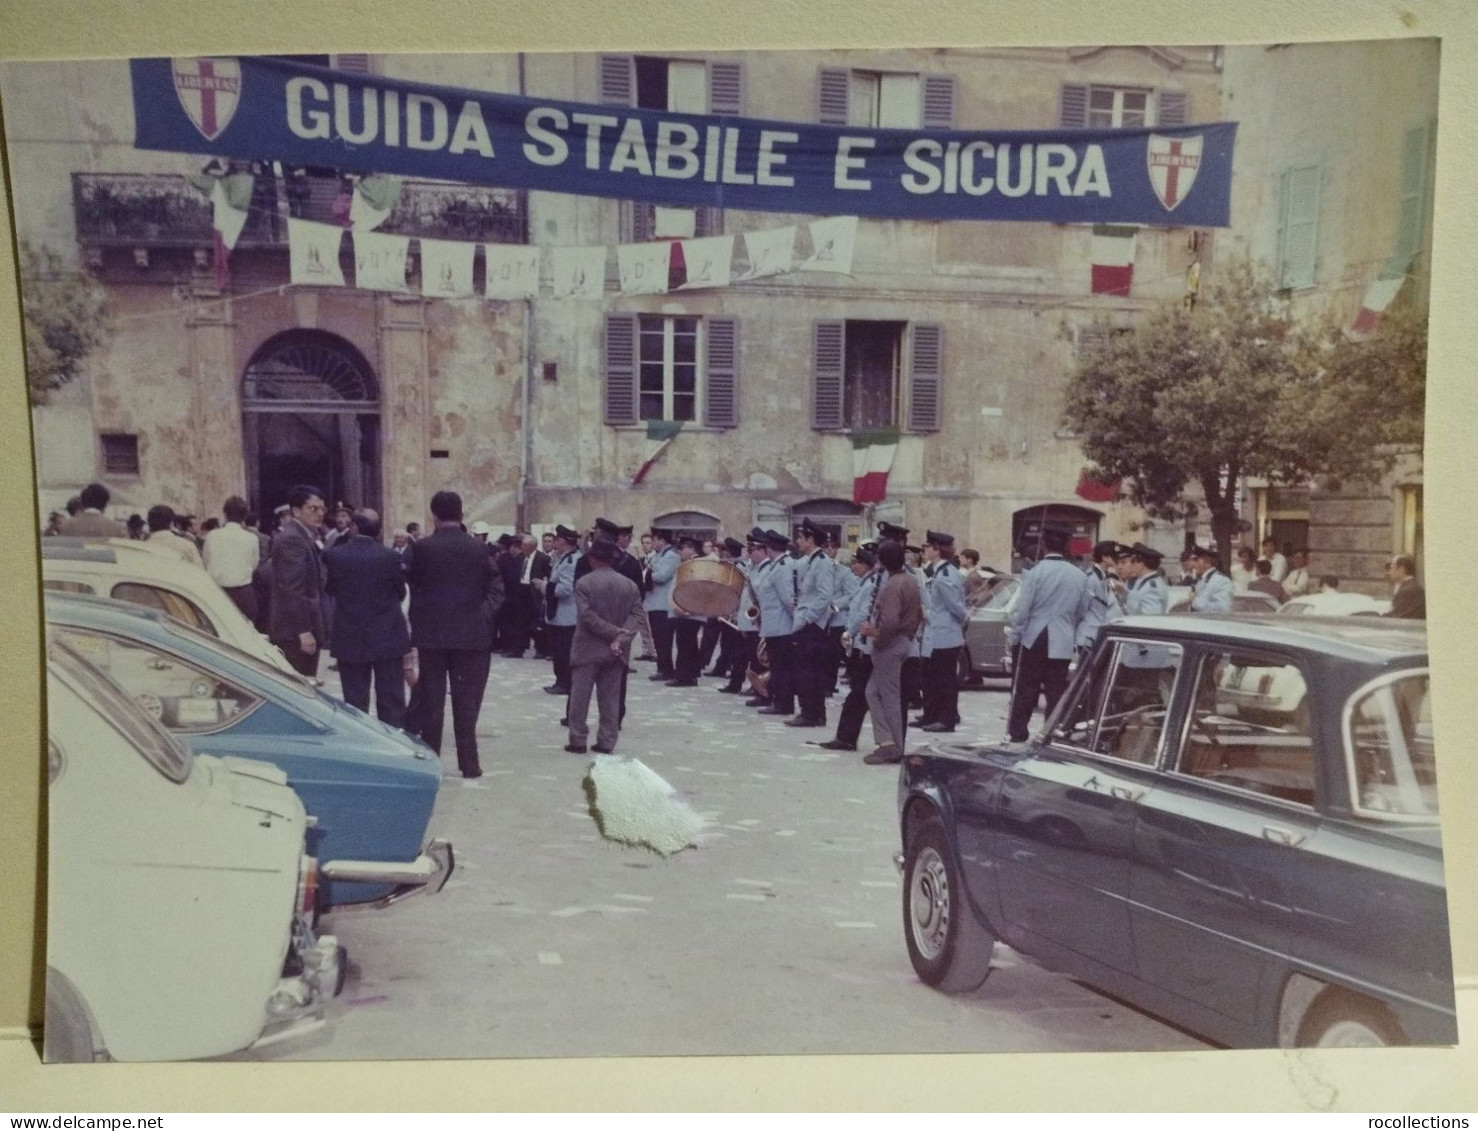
<point x="1249" y="726"/>
<point x="179" y="695"/>
<point x="1417" y="159"/>
<point x="858" y="375"/>
<point x="1388" y="736"/>
<point x="878" y="99"/>
<point x="166" y="601"/>
<point x="671" y="367"/>
<point x="1084" y="106"/>
<point x="58" y="586"/>
<point x="1298" y="227"/>
<point x="668" y="368"/>
<point x="120" y="454"/>
<point x="1120" y="709"/>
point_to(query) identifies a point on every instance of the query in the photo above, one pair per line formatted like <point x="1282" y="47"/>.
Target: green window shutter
<point x="1174" y="108"/>
<point x="1298" y="240"/>
<point x="939" y="102"/>
<point x="618" y="80"/>
<point x="725" y="88"/>
<point x="828" y="362"/>
<point x="1412" y="219"/>
<point x="926" y="363"/>
<point x="620" y="368"/>
<point x="643" y="221"/>
<point x="833" y="96"/>
<point x="1072" y="106"/>
<point x="721" y="404"/>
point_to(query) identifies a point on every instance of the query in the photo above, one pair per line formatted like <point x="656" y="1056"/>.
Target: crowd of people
<point x="416" y="621"/>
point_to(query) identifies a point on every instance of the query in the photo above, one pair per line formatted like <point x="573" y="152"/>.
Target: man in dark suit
<point x="453" y="600"/>
<point x="370" y="639"/>
<point x="295" y="617"/>
<point x="608" y="615"/>
<point x="1408" y="599"/>
<point x="512" y="633"/>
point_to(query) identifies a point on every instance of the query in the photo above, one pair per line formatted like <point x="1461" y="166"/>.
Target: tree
<point x="66" y="320"/>
<point x="1235" y="387"/>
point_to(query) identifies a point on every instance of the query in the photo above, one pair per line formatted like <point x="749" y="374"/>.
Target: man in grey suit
<point x="608" y="615"/>
<point x="1049" y="607"/>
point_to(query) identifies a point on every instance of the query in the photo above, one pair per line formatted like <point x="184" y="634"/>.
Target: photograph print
<point x="728" y="553"/>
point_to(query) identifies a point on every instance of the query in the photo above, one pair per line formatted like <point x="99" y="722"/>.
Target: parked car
<point x="178" y="893"/>
<point x="986" y="652"/>
<point x="1336" y="604"/>
<point x="1260" y="880"/>
<point x="371" y="789"/>
<point x="124" y="570"/>
<point x="1243" y="601"/>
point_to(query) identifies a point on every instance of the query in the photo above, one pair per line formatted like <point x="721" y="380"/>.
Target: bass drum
<point x="708" y="588"/>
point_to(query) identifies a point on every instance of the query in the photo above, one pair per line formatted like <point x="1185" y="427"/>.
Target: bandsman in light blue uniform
<point x="1213" y="592"/>
<point x="660" y="569"/>
<point x="846" y="585"/>
<point x="815" y="591"/>
<point x="775" y="586"/>
<point x="747" y="615"/>
<point x="559" y="605"/>
<point x="945" y="615"/>
<point x="1104" y="601"/>
<point x="1149" y="667"/>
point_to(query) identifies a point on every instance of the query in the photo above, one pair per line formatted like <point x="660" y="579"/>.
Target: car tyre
<point x="949" y="948"/>
<point x="1342" y="1020"/>
<point x="66" y="1035"/>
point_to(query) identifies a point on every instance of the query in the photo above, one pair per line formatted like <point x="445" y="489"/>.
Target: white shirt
<point x="170" y="545"/>
<point x="1280" y="566"/>
<point x="231" y="553"/>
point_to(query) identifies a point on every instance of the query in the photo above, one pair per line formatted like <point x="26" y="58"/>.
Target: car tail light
<point x="308" y="886"/>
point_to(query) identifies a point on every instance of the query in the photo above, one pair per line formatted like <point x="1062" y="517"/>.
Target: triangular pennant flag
<point x="579" y="272"/>
<point x="313" y="253"/>
<point x="769" y="252"/>
<point x="834" y="239"/>
<point x="375" y="197"/>
<point x="872" y="459"/>
<point x="512" y="271"/>
<point x="660" y="433"/>
<point x="446" y="268"/>
<point x="380" y="261"/>
<point x="707" y="262"/>
<point x="674" y="223"/>
<point x="1113" y="259"/>
<point x="643" y="268"/>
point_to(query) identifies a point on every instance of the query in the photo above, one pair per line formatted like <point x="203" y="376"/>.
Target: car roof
<point x="1371" y="639"/>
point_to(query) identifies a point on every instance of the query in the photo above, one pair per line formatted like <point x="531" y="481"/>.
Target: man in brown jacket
<point x="90" y="521"/>
<point x="895" y="620"/>
<point x="608" y="614"/>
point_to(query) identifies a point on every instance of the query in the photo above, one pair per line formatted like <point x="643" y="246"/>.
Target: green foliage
<point x="66" y="320"/>
<point x="1236" y="386"/>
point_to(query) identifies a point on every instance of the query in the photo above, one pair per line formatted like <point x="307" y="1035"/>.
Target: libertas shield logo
<point x="209" y="90"/>
<point x="1173" y="163"/>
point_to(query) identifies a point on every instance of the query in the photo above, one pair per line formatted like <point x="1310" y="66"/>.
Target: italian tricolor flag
<point x="1113" y="259"/>
<point x="660" y="433"/>
<point x="1379" y="296"/>
<point x="872" y="459"/>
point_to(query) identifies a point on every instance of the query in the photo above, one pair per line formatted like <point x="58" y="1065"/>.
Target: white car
<point x="126" y="571"/>
<point x="1336" y="604"/>
<point x="178" y="921"/>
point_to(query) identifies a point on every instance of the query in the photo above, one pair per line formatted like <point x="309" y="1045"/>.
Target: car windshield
<point x="1001" y="595"/>
<point x="286" y="681"/>
<point x="1388" y="737"/>
<point x="159" y="748"/>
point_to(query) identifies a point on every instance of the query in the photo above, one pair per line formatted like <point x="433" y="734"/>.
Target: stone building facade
<point x="962" y="334"/>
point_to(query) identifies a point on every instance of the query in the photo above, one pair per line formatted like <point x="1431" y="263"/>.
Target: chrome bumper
<point x="427" y="874"/>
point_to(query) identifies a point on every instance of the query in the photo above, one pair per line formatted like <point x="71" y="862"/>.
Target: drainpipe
<point x="526" y="437"/>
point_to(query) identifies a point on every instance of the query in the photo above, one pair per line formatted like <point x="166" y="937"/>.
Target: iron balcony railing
<point x="165" y="210"/>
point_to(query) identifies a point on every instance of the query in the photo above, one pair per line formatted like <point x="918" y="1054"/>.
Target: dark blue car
<point x="1231" y="822"/>
<point x="371" y="789"/>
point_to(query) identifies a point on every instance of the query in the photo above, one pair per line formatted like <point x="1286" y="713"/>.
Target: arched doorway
<point x="1079" y="523"/>
<point x="695" y="524"/>
<point x="840" y="518"/>
<point x="311" y="414"/>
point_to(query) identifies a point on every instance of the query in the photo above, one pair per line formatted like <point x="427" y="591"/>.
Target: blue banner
<point x="275" y="110"/>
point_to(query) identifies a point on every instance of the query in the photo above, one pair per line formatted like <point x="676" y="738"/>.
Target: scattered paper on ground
<point x="632" y="805"/>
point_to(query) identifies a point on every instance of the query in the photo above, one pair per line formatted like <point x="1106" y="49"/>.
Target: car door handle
<point x="1125" y="793"/>
<point x="1282" y="836"/>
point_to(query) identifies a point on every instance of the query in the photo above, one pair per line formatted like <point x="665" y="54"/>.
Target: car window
<point x="1249" y="726"/>
<point x="1388" y="739"/>
<point x="157" y="747"/>
<point x="1001" y="595"/>
<point x="1121" y="705"/>
<point x="166" y="601"/>
<point x="283" y="679"/>
<point x="58" y="586"/>
<point x="180" y="695"/>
